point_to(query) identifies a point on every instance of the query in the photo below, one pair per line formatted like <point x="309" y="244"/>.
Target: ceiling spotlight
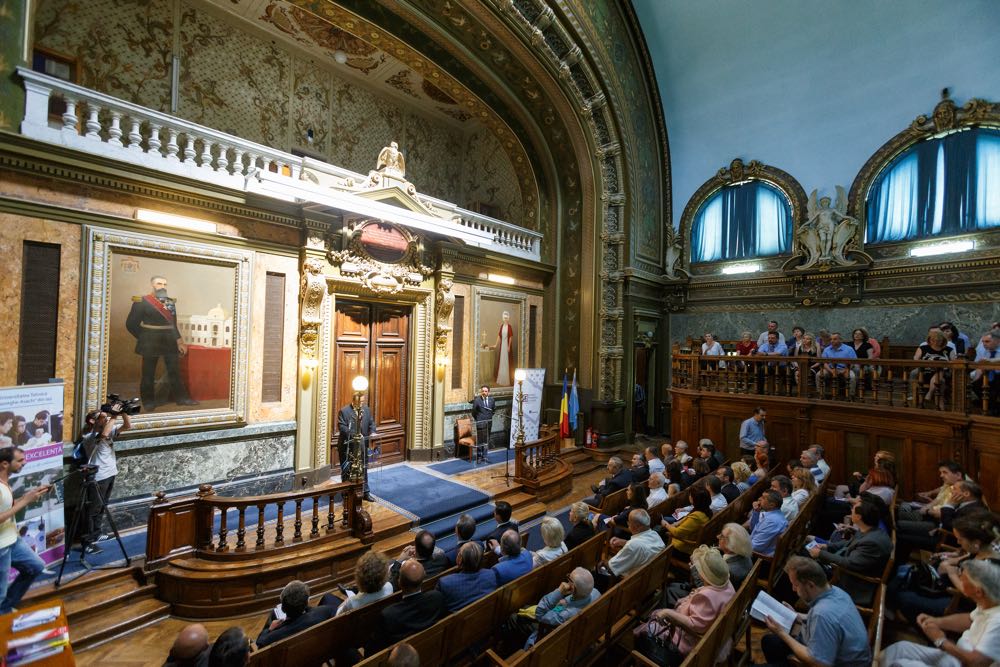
<point x="340" y="57"/>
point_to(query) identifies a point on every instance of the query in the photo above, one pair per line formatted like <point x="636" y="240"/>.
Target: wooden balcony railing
<point x="533" y="459"/>
<point x="948" y="386"/>
<point x="234" y="527"/>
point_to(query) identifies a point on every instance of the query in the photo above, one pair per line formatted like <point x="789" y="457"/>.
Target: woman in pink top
<point x="670" y="634"/>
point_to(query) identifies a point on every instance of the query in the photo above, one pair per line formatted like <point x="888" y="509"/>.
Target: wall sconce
<point x="442" y="364"/>
<point x="309" y="367"/>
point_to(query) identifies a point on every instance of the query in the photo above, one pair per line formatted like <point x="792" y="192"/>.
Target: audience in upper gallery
<point x="958" y="340"/>
<point x="741" y="475"/>
<point x="639" y="549"/>
<point x="582" y="529"/>
<point x="635" y="498"/>
<point x="707" y="450"/>
<point x="403" y="655"/>
<point x="190" y="648"/>
<point x="837" y="350"/>
<point x="564" y="603"/>
<point x="618" y="478"/>
<point x="803" y="485"/>
<point x="553" y="534"/>
<point x="371" y="574"/>
<point x="465" y="528"/>
<point x="470" y="583"/>
<point x="979" y="643"/>
<point x="747" y="345"/>
<point x="734" y="543"/>
<point x="729" y="489"/>
<point x="936" y="348"/>
<point x="831" y="633"/>
<point x="789" y="506"/>
<point x="806" y="348"/>
<point x="653" y="460"/>
<point x="502" y="512"/>
<point x="657" y="490"/>
<point x="928" y="505"/>
<point x="295" y="614"/>
<point x="767" y="523"/>
<point x="416" y="609"/>
<point x="793" y="343"/>
<point x="514" y="560"/>
<point x="424" y="549"/>
<point x="711" y="347"/>
<point x="772" y="328"/>
<point x="772" y="347"/>
<point x="639" y="471"/>
<point x="866" y="552"/>
<point x="684" y="531"/>
<point x="987" y="387"/>
<point x="823" y="339"/>
<point x="911" y="594"/>
<point x="670" y="634"/>
<point x="231" y="649"/>
<point x="861" y="343"/>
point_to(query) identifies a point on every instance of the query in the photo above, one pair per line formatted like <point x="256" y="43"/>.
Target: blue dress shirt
<point x="765" y="528"/>
<point x="751" y="432"/>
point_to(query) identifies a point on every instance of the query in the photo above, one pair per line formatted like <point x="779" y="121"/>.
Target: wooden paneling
<point x="856" y="446"/>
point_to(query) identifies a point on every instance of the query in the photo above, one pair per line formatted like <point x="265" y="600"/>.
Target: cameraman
<point x="99" y="438"/>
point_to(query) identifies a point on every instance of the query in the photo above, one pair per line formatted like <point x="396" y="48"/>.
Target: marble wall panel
<point x="906" y="323"/>
<point x="14" y="231"/>
<point x="285" y="408"/>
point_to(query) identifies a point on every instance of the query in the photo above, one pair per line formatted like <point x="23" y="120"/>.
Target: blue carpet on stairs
<point x="425" y="496"/>
<point x="459" y="465"/>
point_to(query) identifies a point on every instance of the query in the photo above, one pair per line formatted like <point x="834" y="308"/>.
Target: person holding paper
<point x="14" y="551"/>
<point x="866" y="553"/>
<point x="832" y="633"/>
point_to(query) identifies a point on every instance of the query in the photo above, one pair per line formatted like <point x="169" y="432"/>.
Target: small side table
<point x="64" y="659"/>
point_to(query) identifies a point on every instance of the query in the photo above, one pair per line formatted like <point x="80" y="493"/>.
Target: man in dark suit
<point x="469" y="583"/>
<point x="482" y="413"/>
<point x="415" y="611"/>
<point x="153" y="322"/>
<point x="348" y="425"/>
<point x="425" y="552"/>
<point x="191" y="647"/>
<point x="465" y="528"/>
<point x="618" y="478"/>
<point x="298" y="615"/>
<point x="966" y="497"/>
<point x="729" y="490"/>
<point x="501" y="514"/>
<point x="866" y="553"/>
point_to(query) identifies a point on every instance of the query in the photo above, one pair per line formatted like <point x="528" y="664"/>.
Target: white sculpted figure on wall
<point x="828" y="233"/>
<point x="391" y="161"/>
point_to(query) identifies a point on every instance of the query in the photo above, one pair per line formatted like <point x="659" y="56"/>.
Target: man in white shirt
<point x="719" y="501"/>
<point x="99" y="440"/>
<point x="639" y="549"/>
<point x="821" y="462"/>
<point x="653" y="460"/>
<point x="789" y="506"/>
<point x="772" y="327"/>
<point x="14" y="551"/>
<point x="657" y="494"/>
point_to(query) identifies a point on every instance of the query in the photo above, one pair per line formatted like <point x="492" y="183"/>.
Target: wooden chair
<point x="465" y="436"/>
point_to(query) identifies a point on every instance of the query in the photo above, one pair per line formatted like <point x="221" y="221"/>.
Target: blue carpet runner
<point x="457" y="466"/>
<point x="425" y="496"/>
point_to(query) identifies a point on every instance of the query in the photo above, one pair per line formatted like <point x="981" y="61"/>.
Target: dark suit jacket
<point x="731" y="492"/>
<point x="159" y="336"/>
<point x="411" y="614"/>
<point x="739" y="568"/>
<point x="640" y="474"/>
<point x="500" y="530"/>
<point x="578" y="534"/>
<point x="612" y="484"/>
<point x="433" y="565"/>
<point x="452" y="553"/>
<point x="949" y="513"/>
<point x="287" y="629"/>
<point x="464" y="588"/>
<point x="481" y="411"/>
<point x="865" y="554"/>
<point x="200" y="660"/>
<point x="348" y="427"/>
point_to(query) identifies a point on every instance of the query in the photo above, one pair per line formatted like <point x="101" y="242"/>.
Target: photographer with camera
<point x="14" y="551"/>
<point x="98" y="437"/>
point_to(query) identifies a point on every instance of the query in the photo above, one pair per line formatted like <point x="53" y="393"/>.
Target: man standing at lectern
<point x="348" y="426"/>
<point x="482" y="413"/>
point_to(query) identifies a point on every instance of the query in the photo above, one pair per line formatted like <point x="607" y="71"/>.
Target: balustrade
<point x="534" y="458"/>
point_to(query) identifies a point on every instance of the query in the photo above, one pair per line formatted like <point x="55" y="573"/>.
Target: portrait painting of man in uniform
<point x="170" y="331"/>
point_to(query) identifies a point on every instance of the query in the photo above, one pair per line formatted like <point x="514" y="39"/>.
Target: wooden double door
<point x="373" y="340"/>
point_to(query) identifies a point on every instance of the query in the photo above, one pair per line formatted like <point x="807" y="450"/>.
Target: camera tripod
<point x="88" y="490"/>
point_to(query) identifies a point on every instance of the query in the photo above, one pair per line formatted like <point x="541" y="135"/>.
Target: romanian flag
<point x="564" y="410"/>
<point x="574" y="403"/>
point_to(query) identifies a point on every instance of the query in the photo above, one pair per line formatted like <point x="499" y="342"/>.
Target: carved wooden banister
<point x="533" y="458"/>
<point x="185" y="525"/>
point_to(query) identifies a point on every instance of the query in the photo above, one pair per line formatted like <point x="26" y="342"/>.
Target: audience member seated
<point x="809" y="461"/>
<point x="465" y="528"/>
<point x="295" y="614"/>
<point x="819" y="453"/>
<point x="417" y="609"/>
<point x="653" y="460"/>
<point x="681" y="452"/>
<point x="514" y="561"/>
<point x="772" y="328"/>
<point x="807" y="348"/>
<point x="929" y="503"/>
<point x="424" y="549"/>
<point x="552" y="536"/>
<point x="752" y="431"/>
<point x="582" y="529"/>
<point x="767" y="523"/>
<point x="936" y="348"/>
<point x="666" y="453"/>
<point x="772" y="348"/>
<point x="636" y="499"/>
<point x="618" y="478"/>
<point x="862" y="348"/>
<point x="866" y="552"/>
<point x="823" y="339"/>
<point x="670" y="634"/>
<point x="803" y="485"/>
<point x="741" y="476"/>
<point x="565" y="602"/>
<point x="191" y="647"/>
<point x="404" y="655"/>
<point x="684" y="534"/>
<point x="760" y="466"/>
<point x="976" y="534"/>
<point x="988" y="387"/>
<point x="966" y="498"/>
<point x="657" y="490"/>
<point x="639" y="470"/>
<point x="747" y="345"/>
<point x="837" y="350"/>
<point x="698" y="469"/>
<point x="789" y="506"/>
<point x="832" y="633"/>
<point x="979" y="643"/>
<point x="639" y="549"/>
<point x="231" y="649"/>
<point x="734" y="543"/>
<point x="469" y="583"/>
<point x="729" y="489"/>
<point x="719" y="501"/>
<point x="501" y="514"/>
<point x="880" y="480"/>
<point x="712" y="347"/>
<point x="957" y="340"/>
<point x="795" y="341"/>
<point x="707" y="451"/>
<point x="675" y="477"/>
<point x="371" y="574"/>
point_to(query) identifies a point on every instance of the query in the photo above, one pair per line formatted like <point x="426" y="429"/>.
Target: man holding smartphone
<point x="14" y="551"/>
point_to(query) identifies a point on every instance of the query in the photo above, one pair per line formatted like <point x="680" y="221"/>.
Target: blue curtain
<point x="741" y="221"/>
<point x="940" y="187"/>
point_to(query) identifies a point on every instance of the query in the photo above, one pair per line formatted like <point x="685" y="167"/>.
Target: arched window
<point x="741" y="221"/>
<point x="938" y="187"/>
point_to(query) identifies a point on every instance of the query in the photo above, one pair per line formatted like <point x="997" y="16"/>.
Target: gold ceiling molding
<point x="947" y="116"/>
<point x="342" y="19"/>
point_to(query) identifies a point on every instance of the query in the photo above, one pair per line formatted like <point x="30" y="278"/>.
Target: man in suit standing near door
<point x="348" y="425"/>
<point x="482" y="413"/>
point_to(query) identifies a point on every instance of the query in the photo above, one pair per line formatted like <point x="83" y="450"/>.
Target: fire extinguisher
<point x="590" y="437"/>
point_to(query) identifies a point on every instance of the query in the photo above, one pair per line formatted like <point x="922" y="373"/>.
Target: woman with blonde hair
<point x="734" y="543"/>
<point x="552" y="535"/>
<point x="371" y="574"/>
<point x="803" y="485"/>
<point x="741" y="473"/>
<point x="935" y="349"/>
